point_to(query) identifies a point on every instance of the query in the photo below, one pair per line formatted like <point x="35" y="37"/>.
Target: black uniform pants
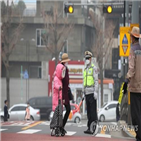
<point x="136" y="113"/>
<point x="68" y="109"/>
<point x="5" y="118"/>
<point x="91" y="109"/>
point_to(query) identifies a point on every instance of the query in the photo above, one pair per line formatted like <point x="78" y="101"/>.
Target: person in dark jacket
<point x="6" y="111"/>
<point x="65" y="84"/>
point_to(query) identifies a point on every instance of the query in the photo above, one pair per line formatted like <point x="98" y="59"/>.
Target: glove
<point x="95" y="95"/>
<point x="125" y="86"/>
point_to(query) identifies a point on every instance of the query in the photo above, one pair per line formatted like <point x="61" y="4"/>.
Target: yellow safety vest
<point x="88" y="77"/>
<point x="120" y="94"/>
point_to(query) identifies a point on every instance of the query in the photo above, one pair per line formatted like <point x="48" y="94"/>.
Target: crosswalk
<point x="69" y="133"/>
<point x="28" y="127"/>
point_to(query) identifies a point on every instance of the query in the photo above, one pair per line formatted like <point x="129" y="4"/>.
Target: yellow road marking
<point x="103" y="129"/>
<point x="132" y="132"/>
<point x="32" y="125"/>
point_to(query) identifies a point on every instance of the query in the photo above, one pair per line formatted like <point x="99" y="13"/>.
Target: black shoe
<point x="88" y="132"/>
<point x="63" y="131"/>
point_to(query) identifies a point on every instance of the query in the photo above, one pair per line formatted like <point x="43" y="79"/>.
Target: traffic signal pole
<point x="93" y="4"/>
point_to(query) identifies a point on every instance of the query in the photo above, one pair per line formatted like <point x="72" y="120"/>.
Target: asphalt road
<point x="25" y="129"/>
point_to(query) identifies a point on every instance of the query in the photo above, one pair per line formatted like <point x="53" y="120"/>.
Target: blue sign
<point x="124" y="41"/>
<point x="26" y="74"/>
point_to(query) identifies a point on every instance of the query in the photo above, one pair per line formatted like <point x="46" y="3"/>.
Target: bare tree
<point x="102" y="45"/>
<point x="56" y="32"/>
<point x="9" y="37"/>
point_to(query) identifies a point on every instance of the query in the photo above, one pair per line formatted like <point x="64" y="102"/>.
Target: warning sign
<point x="124" y="41"/>
<point x="125" y="44"/>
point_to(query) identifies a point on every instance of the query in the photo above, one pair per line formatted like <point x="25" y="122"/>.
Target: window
<point x="112" y="106"/>
<point x="105" y="98"/>
<point x="73" y="107"/>
<point x="41" y="37"/>
<point x="35" y="72"/>
<point x="15" y="109"/>
<point x="32" y="102"/>
<point x="22" y="108"/>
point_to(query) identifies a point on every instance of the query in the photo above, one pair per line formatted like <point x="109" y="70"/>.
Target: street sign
<point x="124" y="41"/>
<point x="26" y="74"/>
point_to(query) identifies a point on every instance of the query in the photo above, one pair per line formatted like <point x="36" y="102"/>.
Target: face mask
<point x="66" y="64"/>
<point x="87" y="62"/>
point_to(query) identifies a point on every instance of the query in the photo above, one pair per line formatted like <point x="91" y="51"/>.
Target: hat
<point x="88" y="54"/>
<point x="135" y="32"/>
<point x="65" y="58"/>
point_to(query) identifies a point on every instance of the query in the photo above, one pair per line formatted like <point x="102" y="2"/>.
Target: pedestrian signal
<point x="107" y="9"/>
<point x="69" y="8"/>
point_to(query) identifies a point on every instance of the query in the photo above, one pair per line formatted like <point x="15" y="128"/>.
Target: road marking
<point x="29" y="131"/>
<point x="114" y="123"/>
<point x="103" y="135"/>
<point x="2" y="130"/>
<point x="32" y="125"/>
<point x="104" y="128"/>
<point x="45" y="123"/>
<point x="132" y="132"/>
<point x="17" y="123"/>
<point x="69" y="133"/>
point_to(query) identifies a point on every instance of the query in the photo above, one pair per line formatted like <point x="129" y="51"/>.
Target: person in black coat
<point x="6" y="111"/>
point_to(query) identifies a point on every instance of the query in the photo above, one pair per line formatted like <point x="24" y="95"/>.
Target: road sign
<point x="26" y="74"/>
<point x="124" y="41"/>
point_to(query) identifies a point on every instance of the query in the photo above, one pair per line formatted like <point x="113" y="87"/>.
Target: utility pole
<point x="135" y="12"/>
<point x="124" y="26"/>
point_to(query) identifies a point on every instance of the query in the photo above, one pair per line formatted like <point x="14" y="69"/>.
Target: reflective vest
<point x="120" y="94"/>
<point x="88" y="77"/>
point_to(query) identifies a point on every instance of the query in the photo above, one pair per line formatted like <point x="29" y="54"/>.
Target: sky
<point x="29" y="3"/>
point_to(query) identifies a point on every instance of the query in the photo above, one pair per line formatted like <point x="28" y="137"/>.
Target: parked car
<point x="43" y="103"/>
<point x="74" y="116"/>
<point x="108" y="112"/>
<point x="17" y="113"/>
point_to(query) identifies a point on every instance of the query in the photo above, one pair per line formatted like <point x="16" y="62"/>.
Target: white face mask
<point x="66" y="64"/>
<point x="87" y="62"/>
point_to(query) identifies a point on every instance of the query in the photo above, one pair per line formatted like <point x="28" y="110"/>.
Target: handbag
<point x="70" y="94"/>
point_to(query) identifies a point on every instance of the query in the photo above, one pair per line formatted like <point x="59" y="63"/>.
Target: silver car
<point x="17" y="113"/>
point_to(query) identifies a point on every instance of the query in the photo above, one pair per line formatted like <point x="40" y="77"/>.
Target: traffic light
<point x="107" y="9"/>
<point x="69" y="8"/>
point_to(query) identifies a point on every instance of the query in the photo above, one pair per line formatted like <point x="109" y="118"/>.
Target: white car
<point x="108" y="112"/>
<point x="17" y="113"/>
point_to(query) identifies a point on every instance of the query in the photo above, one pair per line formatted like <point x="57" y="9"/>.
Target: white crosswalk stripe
<point x="69" y="133"/>
<point x="2" y="130"/>
<point x="29" y="131"/>
<point x="103" y="135"/>
<point x="67" y="124"/>
<point x="17" y="123"/>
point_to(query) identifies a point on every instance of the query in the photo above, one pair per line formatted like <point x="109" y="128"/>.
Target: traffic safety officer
<point x="90" y="83"/>
<point x="133" y="80"/>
